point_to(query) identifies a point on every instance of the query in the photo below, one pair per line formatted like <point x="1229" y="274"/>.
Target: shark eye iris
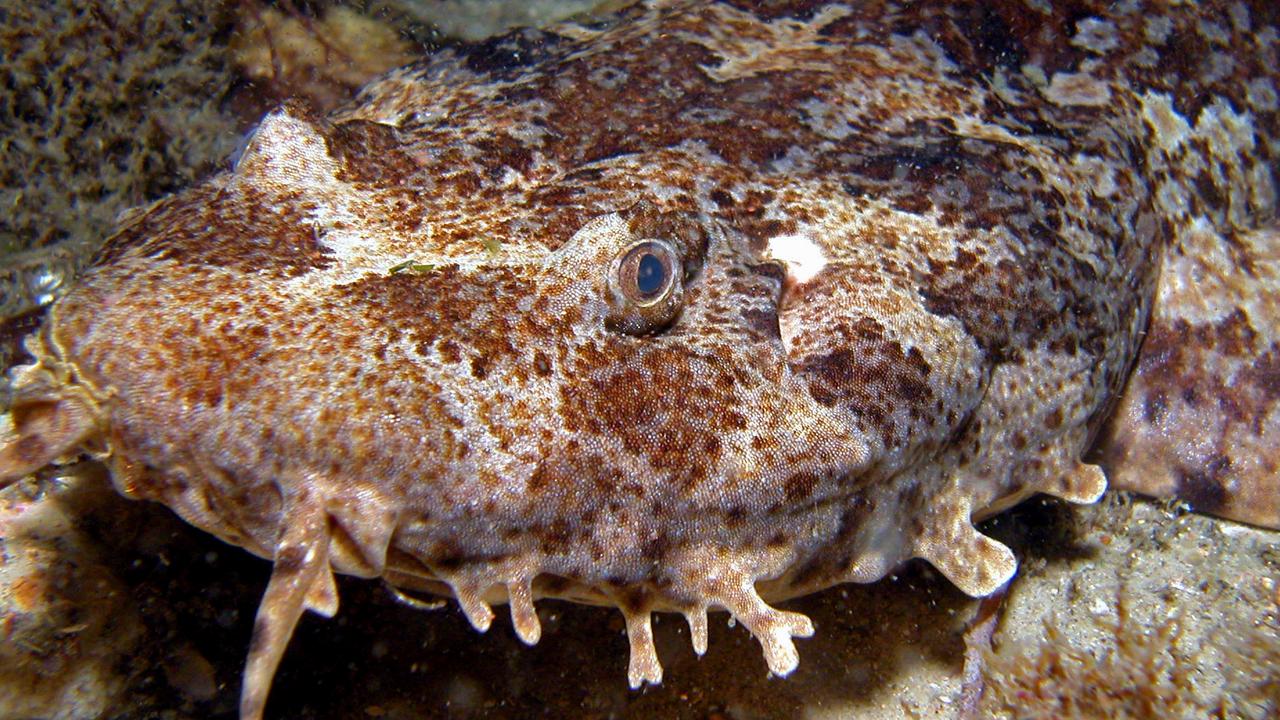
<point x="647" y="272"/>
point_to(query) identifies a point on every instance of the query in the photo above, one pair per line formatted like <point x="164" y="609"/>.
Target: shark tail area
<point x="1200" y="417"/>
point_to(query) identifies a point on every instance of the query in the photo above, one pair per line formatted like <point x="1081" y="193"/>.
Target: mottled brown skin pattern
<point x="910" y="253"/>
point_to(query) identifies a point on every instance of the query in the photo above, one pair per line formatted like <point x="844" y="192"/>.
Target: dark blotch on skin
<point x="800" y="487"/>
<point x="506" y="56"/>
<point x="370" y="153"/>
<point x="763" y="322"/>
<point x="243" y="229"/>
<point x="31" y="449"/>
<point x="1203" y="488"/>
<point x="289" y="560"/>
<point x="867" y="375"/>
<point x="541" y="364"/>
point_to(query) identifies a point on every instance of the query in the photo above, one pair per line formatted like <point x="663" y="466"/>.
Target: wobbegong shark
<point x="700" y="307"/>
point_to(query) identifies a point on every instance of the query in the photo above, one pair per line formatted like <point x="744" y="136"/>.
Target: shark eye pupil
<point x="651" y="275"/>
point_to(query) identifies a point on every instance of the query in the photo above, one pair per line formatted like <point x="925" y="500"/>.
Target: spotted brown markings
<point x="986" y="38"/>
<point x="428" y="310"/>
<point x="908" y="169"/>
<point x="749" y="211"/>
<point x="1205" y="52"/>
<point x="824" y="569"/>
<point x="677" y="435"/>
<point x="973" y="183"/>
<point x="992" y="38"/>
<point x="682" y="230"/>
<point x="633" y="109"/>
<point x="918" y="244"/>
<point x="217" y="354"/>
<point x="1169" y="353"/>
<point x="370" y="154"/>
<point x="508" y="153"/>
<point x="255" y="231"/>
<point x="1208" y="383"/>
<point x="1002" y="304"/>
<point x="872" y="377"/>
<point x="555" y="209"/>
<point x="632" y="112"/>
<point x="1216" y="207"/>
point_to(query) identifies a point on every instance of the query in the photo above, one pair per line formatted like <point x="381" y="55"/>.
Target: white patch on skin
<point x="1158" y="29"/>
<point x="1171" y="129"/>
<point x="1077" y="89"/>
<point x="802" y="255"/>
<point x="1101" y="174"/>
<point x="1218" y="67"/>
<point x="748" y="47"/>
<point x="1261" y="95"/>
<point x="1240" y="17"/>
<point x="1094" y="35"/>
<point x="1214" y="33"/>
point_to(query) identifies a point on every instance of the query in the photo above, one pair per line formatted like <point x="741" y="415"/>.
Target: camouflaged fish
<point x="704" y="307"/>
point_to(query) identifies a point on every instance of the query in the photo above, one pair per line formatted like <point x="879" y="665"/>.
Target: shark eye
<point x="645" y="284"/>
<point x="647" y="271"/>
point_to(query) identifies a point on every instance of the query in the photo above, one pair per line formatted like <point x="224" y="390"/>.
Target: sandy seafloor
<point x="1129" y="608"/>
